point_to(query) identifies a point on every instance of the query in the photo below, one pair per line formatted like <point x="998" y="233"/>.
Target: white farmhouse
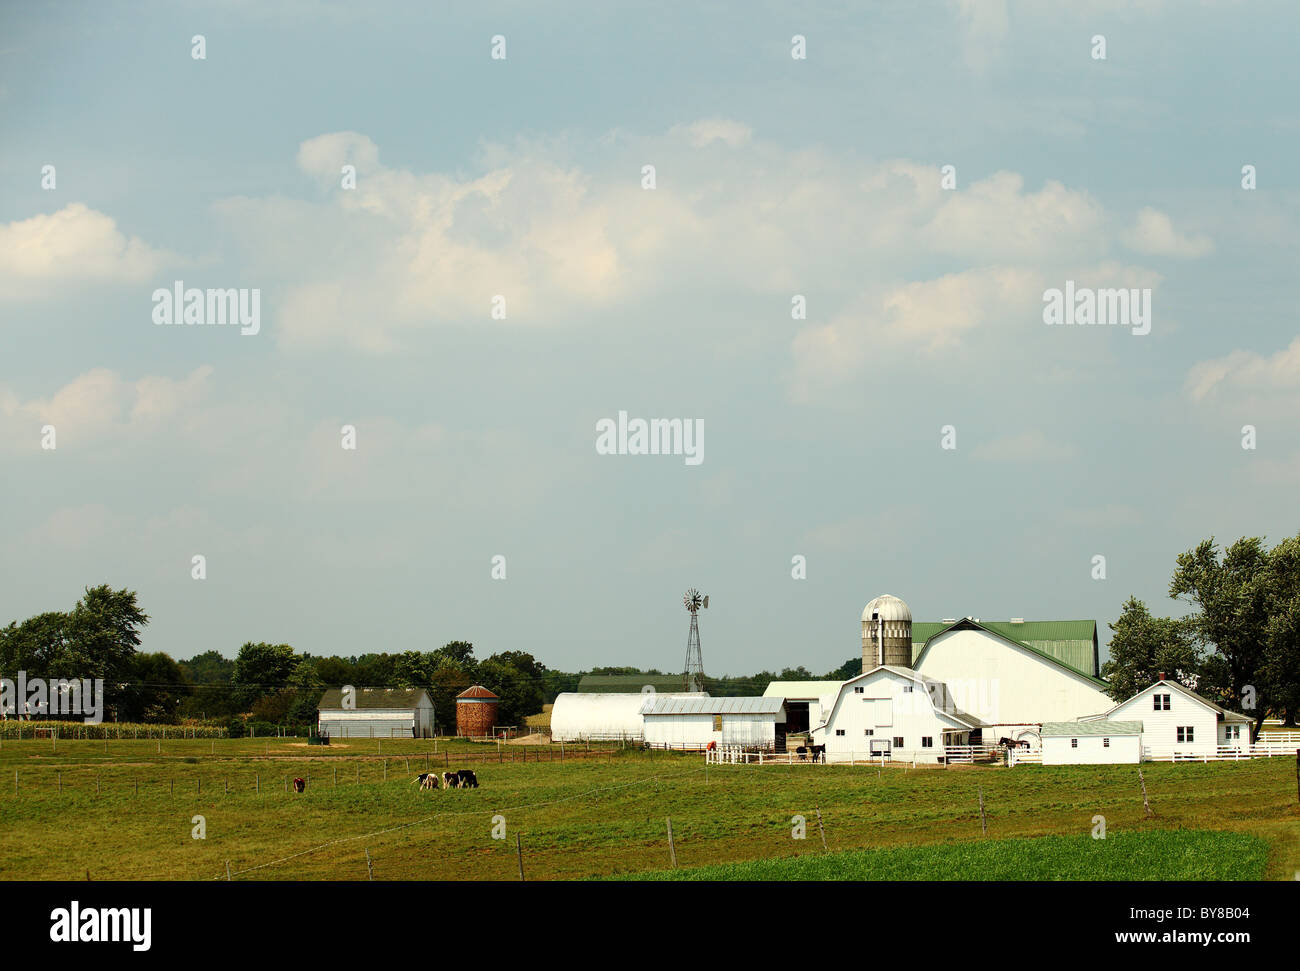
<point x="1096" y="742"/>
<point x="894" y="713"/>
<point x="1178" y="721"/>
<point x="692" y="722"/>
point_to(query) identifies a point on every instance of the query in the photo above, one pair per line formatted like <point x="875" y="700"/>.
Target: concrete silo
<point x="886" y="633"/>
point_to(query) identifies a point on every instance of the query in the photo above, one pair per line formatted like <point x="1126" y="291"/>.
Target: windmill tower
<point x="694" y="679"/>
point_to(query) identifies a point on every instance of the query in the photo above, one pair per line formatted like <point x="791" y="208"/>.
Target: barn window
<point x="1074" y="743"/>
<point x="898" y="741"/>
<point x="717" y="723"/>
<point x="1186" y="733"/>
<point x="927" y="741"/>
<point x="839" y="731"/>
<point x="868" y="731"/>
<point x="1105" y="743"/>
<point x="907" y="689"/>
<point x="858" y="691"/>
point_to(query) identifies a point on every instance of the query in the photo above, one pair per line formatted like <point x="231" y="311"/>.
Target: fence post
<point x="1145" y="804"/>
<point x="822" y="829"/>
<point x="519" y="855"/>
<point x="984" y="824"/>
<point x="370" y="867"/>
<point x="672" y="849"/>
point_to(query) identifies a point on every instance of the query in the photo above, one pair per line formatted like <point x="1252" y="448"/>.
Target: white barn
<point x="1176" y="720"/>
<point x="806" y="702"/>
<point x="376" y="713"/>
<point x="1010" y="685"/>
<point x="1095" y="742"/>
<point x="693" y="722"/>
<point x="598" y="716"/>
<point x="894" y="713"/>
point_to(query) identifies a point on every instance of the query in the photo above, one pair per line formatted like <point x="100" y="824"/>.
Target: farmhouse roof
<point x="1103" y="726"/>
<point x="401" y="699"/>
<point x="1229" y="717"/>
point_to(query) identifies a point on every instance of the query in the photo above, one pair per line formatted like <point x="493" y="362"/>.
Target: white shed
<point x="602" y="716"/>
<point x="1178" y="720"/>
<point x="694" y="722"/>
<point x="376" y="713"/>
<point x="1097" y="742"/>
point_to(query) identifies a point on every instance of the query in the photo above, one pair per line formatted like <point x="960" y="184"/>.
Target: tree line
<point x="1238" y="645"/>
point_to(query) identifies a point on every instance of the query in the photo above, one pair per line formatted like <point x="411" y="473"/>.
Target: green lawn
<point x="1158" y="855"/>
<point x="590" y="816"/>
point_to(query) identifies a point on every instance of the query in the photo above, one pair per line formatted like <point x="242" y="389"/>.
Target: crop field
<point x="127" y="810"/>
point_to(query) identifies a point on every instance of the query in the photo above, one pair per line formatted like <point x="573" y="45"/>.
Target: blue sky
<point x="522" y="177"/>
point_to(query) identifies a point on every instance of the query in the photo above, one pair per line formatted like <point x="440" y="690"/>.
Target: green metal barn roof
<point x="373" y="699"/>
<point x="1071" y="642"/>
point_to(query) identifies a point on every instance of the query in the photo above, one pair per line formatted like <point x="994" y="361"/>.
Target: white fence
<point x="1223" y="753"/>
<point x="732" y="755"/>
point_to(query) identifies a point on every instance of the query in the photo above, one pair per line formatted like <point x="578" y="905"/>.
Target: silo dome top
<point x="887" y="607"/>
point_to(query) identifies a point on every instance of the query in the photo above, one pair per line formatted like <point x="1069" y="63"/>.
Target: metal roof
<point x="659" y="705"/>
<point x="1080" y="729"/>
<point x="372" y="698"/>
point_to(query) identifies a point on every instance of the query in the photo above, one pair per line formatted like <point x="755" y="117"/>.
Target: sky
<point x="519" y="184"/>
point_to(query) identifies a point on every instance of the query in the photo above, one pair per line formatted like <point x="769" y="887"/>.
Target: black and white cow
<point x="467" y="779"/>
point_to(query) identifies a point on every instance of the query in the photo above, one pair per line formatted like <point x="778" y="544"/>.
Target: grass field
<point x="605" y="815"/>
<point x="1157" y="855"/>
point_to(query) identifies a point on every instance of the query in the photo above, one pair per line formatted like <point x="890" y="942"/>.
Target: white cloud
<point x="1247" y="374"/>
<point x="75" y="243"/>
<point x="1154" y="234"/>
<point x="101" y="407"/>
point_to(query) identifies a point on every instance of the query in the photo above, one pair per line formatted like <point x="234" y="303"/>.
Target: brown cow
<point x="299" y="785"/>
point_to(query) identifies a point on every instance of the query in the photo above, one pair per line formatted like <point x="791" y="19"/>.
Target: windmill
<point x="694" y="679"/>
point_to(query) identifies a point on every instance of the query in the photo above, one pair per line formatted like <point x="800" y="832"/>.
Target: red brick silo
<point x="476" y="711"/>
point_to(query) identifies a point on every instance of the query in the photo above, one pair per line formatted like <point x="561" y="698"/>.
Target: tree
<point x="209" y="676"/>
<point x="1143" y="646"/>
<point x="1232" y="592"/>
<point x="1280" y="671"/>
<point x="516" y="678"/>
<point x="260" y="669"/>
<point x="37" y="646"/>
<point x="155" y="691"/>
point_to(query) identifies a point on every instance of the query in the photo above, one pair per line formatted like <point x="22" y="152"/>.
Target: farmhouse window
<point x="1074" y="743"/>
<point x="907" y="689"/>
<point x="1186" y="734"/>
<point x="1105" y="743"/>
<point x="858" y="691"/>
<point x="1232" y="732"/>
<point x="927" y="741"/>
<point x="839" y="731"/>
<point x="1160" y="702"/>
<point x="898" y="741"/>
<point x="869" y="731"/>
<point x="717" y="723"/>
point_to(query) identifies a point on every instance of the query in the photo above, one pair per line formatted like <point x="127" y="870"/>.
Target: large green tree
<point x="260" y="669"/>
<point x="1235" y="594"/>
<point x="1143" y="646"/>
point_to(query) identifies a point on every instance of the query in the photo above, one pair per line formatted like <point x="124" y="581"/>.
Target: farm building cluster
<point x="927" y="692"/>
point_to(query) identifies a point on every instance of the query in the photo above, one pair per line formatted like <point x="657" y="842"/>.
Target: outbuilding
<point x="1098" y="742"/>
<point x="1179" y="722"/>
<point x="375" y="713"/>
<point x="685" y="722"/>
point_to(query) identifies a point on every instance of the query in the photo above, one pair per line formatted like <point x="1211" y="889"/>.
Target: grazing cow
<point x="428" y="780"/>
<point x="467" y="779"/>
<point x="299" y="785"/>
<point x="450" y="780"/>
